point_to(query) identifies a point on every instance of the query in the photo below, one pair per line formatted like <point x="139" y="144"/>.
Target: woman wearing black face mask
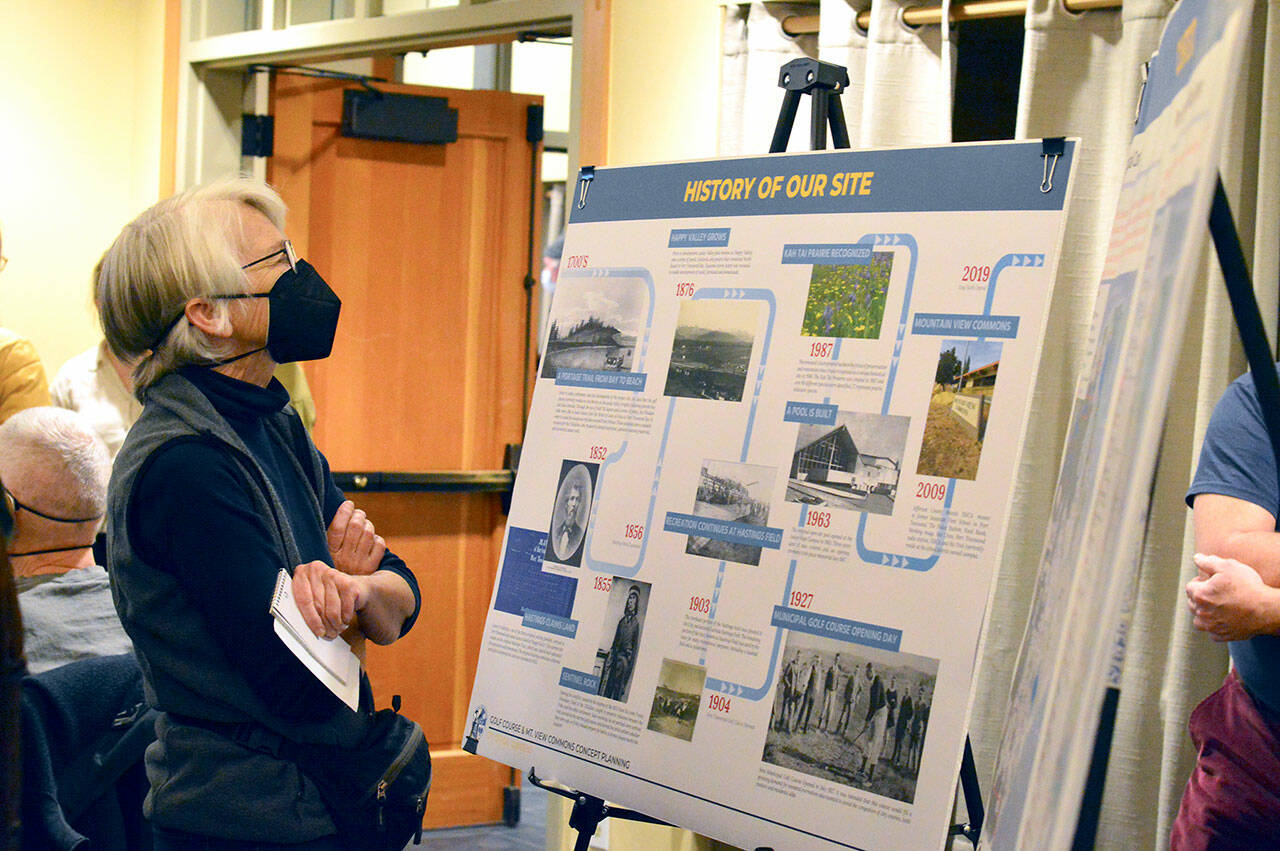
<point x="216" y="489"/>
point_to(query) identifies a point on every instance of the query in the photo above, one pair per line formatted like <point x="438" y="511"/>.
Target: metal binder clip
<point x="1137" y="109"/>
<point x="585" y="176"/>
<point x="1050" y="150"/>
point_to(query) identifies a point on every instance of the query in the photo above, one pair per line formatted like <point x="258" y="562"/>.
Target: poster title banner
<point x="960" y="177"/>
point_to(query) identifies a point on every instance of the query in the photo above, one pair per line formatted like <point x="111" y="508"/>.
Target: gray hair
<point x="184" y="247"/>
<point x="53" y="459"/>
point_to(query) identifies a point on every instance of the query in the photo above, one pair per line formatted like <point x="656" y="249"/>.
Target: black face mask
<point x="304" y="316"/>
<point x="304" y="313"/>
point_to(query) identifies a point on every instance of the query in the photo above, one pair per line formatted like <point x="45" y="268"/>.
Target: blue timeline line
<point x="909" y="241"/>
<point x="711" y="614"/>
<point x="736" y="293"/>
<point x="625" y="272"/>
<point x="1002" y="264"/>
<point x="716" y="292"/>
<point x="865" y="553"/>
<point x="754" y="694"/>
<point x="804" y="513"/>
<point x="628" y="571"/>
<point x="915" y="562"/>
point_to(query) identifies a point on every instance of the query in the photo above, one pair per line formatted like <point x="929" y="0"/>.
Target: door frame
<point x="214" y="87"/>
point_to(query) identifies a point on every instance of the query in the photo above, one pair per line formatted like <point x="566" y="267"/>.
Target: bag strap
<point x="248" y="734"/>
<point x="114" y="753"/>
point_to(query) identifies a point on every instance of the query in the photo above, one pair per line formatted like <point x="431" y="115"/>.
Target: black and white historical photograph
<point x="851" y="714"/>
<point x="711" y="351"/>
<point x="571" y="512"/>
<point x="738" y="493"/>
<point x="677" y="698"/>
<point x="620" y="637"/>
<point x="594" y="324"/>
<point x="854" y="464"/>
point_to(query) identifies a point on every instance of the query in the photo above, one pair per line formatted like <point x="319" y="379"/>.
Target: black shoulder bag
<point x="375" y="791"/>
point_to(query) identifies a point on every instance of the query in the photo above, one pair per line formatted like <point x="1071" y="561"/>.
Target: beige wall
<point x="79" y="154"/>
<point x="80" y="134"/>
<point x="664" y="80"/>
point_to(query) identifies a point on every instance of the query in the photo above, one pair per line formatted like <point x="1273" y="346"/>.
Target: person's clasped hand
<point x="1226" y="598"/>
<point x="354" y="545"/>
<point x="328" y="598"/>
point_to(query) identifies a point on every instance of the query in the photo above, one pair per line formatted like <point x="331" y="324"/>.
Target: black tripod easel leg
<point x="823" y="82"/>
<point x="839" y="130"/>
<point x="818" y="119"/>
<point x="1253" y="334"/>
<point x="971" y="829"/>
<point x="588" y="811"/>
<point x="786" y="120"/>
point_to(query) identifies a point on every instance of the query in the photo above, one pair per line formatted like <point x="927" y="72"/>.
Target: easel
<point x="824" y="83"/>
<point x="1262" y="364"/>
<point x="588" y="811"/>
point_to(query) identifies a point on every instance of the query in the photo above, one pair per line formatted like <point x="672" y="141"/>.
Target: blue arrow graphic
<point x="1002" y="264"/>
<point x="624" y="272"/>
<point x="871" y="556"/>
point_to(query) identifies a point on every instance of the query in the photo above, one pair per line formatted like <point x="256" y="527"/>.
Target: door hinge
<point x="533" y="123"/>
<point x="511" y="806"/>
<point x="257" y="135"/>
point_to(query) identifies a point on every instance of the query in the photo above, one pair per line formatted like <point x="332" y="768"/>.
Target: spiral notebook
<point x="330" y="659"/>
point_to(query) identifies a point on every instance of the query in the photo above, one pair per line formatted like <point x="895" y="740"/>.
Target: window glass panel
<point x="311" y="11"/>
<point x="543" y="68"/>
<point x="555" y="167"/>
<point x="450" y="67"/>
<point x="230" y="16"/>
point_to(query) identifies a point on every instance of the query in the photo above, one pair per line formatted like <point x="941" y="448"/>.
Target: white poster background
<point x="918" y="578"/>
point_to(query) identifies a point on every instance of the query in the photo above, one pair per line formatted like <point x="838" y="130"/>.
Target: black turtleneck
<point x="191" y="516"/>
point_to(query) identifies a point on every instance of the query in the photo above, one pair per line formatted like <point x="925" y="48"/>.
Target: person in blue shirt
<point x="1232" y="799"/>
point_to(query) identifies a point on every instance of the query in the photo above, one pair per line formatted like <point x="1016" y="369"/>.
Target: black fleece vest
<point x="202" y="782"/>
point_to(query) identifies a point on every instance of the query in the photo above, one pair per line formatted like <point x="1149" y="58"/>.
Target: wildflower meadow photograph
<point x="848" y="301"/>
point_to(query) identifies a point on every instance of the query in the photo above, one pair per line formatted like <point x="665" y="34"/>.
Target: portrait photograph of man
<point x="620" y="637"/>
<point x="571" y="512"/>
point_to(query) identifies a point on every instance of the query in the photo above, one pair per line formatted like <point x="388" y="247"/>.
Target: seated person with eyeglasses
<point x="55" y="471"/>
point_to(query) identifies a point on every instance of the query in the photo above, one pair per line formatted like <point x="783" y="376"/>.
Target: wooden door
<point x="428" y="247"/>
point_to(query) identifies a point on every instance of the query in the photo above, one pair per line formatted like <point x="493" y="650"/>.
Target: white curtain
<point x="899" y="84"/>
<point x="1080" y="77"/>
<point x="754" y="48"/>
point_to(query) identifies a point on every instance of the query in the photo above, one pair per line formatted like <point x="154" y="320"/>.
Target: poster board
<point x="1103" y="495"/>
<point x="765" y="486"/>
